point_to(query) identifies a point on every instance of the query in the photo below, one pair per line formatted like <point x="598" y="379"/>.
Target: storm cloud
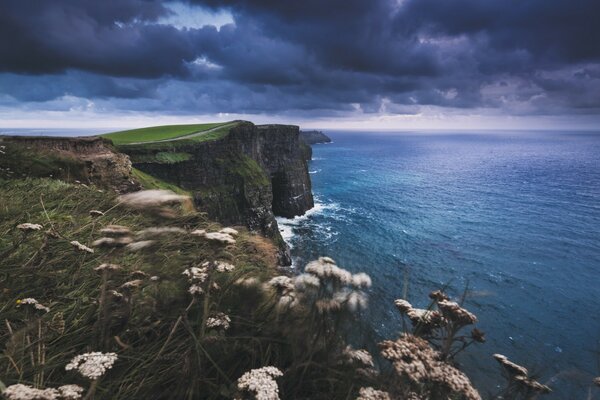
<point x="314" y="57"/>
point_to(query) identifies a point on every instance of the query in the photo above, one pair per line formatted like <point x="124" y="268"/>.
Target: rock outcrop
<point x="248" y="177"/>
<point x="314" y="137"/>
<point x="90" y="160"/>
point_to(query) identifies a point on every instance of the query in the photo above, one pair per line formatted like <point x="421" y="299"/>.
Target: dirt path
<point x="189" y="135"/>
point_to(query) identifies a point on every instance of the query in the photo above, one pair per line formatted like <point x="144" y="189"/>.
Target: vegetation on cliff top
<point x="168" y="133"/>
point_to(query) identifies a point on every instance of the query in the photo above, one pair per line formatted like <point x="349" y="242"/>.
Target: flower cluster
<point x="261" y="382"/>
<point x="92" y="365"/>
<point x="29" y="227"/>
<point x="218" y="321"/>
<point x="368" y="393"/>
<point x="34" y="303"/>
<point x="81" y="247"/>
<point x="420" y="318"/>
<point x="360" y="356"/>
<point x="147" y="199"/>
<point x="216" y="237"/>
<point x="520" y="375"/>
<point x="24" y="392"/>
<point x="413" y="358"/>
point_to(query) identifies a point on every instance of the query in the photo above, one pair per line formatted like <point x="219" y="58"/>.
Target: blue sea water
<point x="515" y="216"/>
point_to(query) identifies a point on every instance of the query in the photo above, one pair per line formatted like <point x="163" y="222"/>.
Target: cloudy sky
<point x="318" y="63"/>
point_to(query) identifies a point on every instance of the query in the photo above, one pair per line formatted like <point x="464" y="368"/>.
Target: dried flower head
<point x="412" y="358"/>
<point x="303" y="282"/>
<point x="438" y="295"/>
<point x="248" y="282"/>
<point x="81" y="247"/>
<point x="196" y="274"/>
<point x="33" y="303"/>
<point x="195" y="289"/>
<point x="361" y="280"/>
<point x="325" y="268"/>
<point x="532" y="385"/>
<point x="597" y="381"/>
<point x="130" y="285"/>
<point x="222" y="266"/>
<point x="139" y="274"/>
<point x="198" y="232"/>
<point x="510" y="367"/>
<point x="477" y="335"/>
<point x="107" y="267"/>
<point x="403" y="305"/>
<point x="92" y="365"/>
<point x="229" y="231"/>
<point x="108" y="242"/>
<point x="282" y="283"/>
<point x="96" y="213"/>
<point x="219" y="321"/>
<point x="261" y="383"/>
<point x="455" y="313"/>
<point x="143" y="244"/>
<point x="29" y="227"/>
<point x="368" y="393"/>
<point x="115" y="230"/>
<point x="222" y="238"/>
<point x="151" y="199"/>
<point x="359" y="356"/>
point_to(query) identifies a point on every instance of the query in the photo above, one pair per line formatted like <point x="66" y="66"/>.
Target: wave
<point x="315" y="171"/>
<point x="287" y="225"/>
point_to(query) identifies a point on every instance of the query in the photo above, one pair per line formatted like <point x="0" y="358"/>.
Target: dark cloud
<point x="313" y="56"/>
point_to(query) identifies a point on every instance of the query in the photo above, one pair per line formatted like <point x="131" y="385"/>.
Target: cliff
<point x="314" y="137"/>
<point x="248" y="177"/>
<point x="90" y="160"/>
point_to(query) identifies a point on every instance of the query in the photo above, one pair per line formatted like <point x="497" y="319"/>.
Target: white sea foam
<point x="315" y="171"/>
<point x="287" y="225"/>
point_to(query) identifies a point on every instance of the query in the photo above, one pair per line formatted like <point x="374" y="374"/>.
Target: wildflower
<point x="248" y="282"/>
<point x="510" y="367"/>
<point x="81" y="247"/>
<point x="261" y="382"/>
<point x="151" y="199"/>
<point x="195" y="289"/>
<point x="196" y="274"/>
<point x="229" y="231"/>
<point x="115" y="230"/>
<point x="532" y="384"/>
<point x="219" y="237"/>
<point x="328" y="305"/>
<point x="412" y="358"/>
<point x="139" y="274"/>
<point x="455" y="313"/>
<point x="403" y="305"/>
<point x="112" y="242"/>
<point x="107" y="267"/>
<point x="158" y="231"/>
<point x="34" y="303"/>
<point x="287" y="301"/>
<point x="304" y="281"/>
<point x="70" y="392"/>
<point x="282" y="283"/>
<point x="597" y="381"/>
<point x="154" y="278"/>
<point x="198" y="232"/>
<point x="96" y="213"/>
<point x="368" y="393"/>
<point x="361" y="280"/>
<point x="28" y="227"/>
<point x="353" y="299"/>
<point x="136" y="246"/>
<point x="116" y="294"/>
<point x="220" y="321"/>
<point x="325" y="267"/>
<point x="136" y="283"/>
<point x="92" y="365"/>
<point x="224" y="267"/>
<point x="361" y="356"/>
<point x="24" y="392"/>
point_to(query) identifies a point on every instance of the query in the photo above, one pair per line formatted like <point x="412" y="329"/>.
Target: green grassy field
<point x="165" y="132"/>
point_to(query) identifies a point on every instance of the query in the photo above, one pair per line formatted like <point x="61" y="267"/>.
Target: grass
<point x="150" y="182"/>
<point x="154" y="133"/>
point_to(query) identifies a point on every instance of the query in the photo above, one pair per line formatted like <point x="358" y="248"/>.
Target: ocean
<point x="514" y="217"/>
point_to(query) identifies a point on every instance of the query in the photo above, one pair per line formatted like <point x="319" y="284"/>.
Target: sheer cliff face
<point x="246" y="178"/>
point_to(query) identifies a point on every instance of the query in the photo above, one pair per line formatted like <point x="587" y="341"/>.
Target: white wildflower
<point x="136" y="246"/>
<point x="81" y="247"/>
<point x="115" y="230"/>
<point x="368" y="393"/>
<point x="132" y="284"/>
<point x="222" y="238"/>
<point x="70" y="392"/>
<point x="224" y="267"/>
<point x="96" y="213"/>
<point x="92" y="365"/>
<point x="154" y="278"/>
<point x="107" y="267"/>
<point x="34" y="303"/>
<point x="361" y="280"/>
<point x="360" y="356"/>
<point x="282" y="282"/>
<point x="24" y="392"/>
<point x="198" y="232"/>
<point x="112" y="242"/>
<point x="261" y="383"/>
<point x="116" y="294"/>
<point x="220" y="321"/>
<point x="196" y="274"/>
<point x="195" y="289"/>
<point x="28" y="227"/>
<point x="324" y="267"/>
<point x="229" y="231"/>
<point x="151" y="198"/>
<point x="305" y="281"/>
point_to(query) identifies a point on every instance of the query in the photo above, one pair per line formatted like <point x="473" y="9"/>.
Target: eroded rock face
<point x="90" y="160"/>
<point x="246" y="178"/>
